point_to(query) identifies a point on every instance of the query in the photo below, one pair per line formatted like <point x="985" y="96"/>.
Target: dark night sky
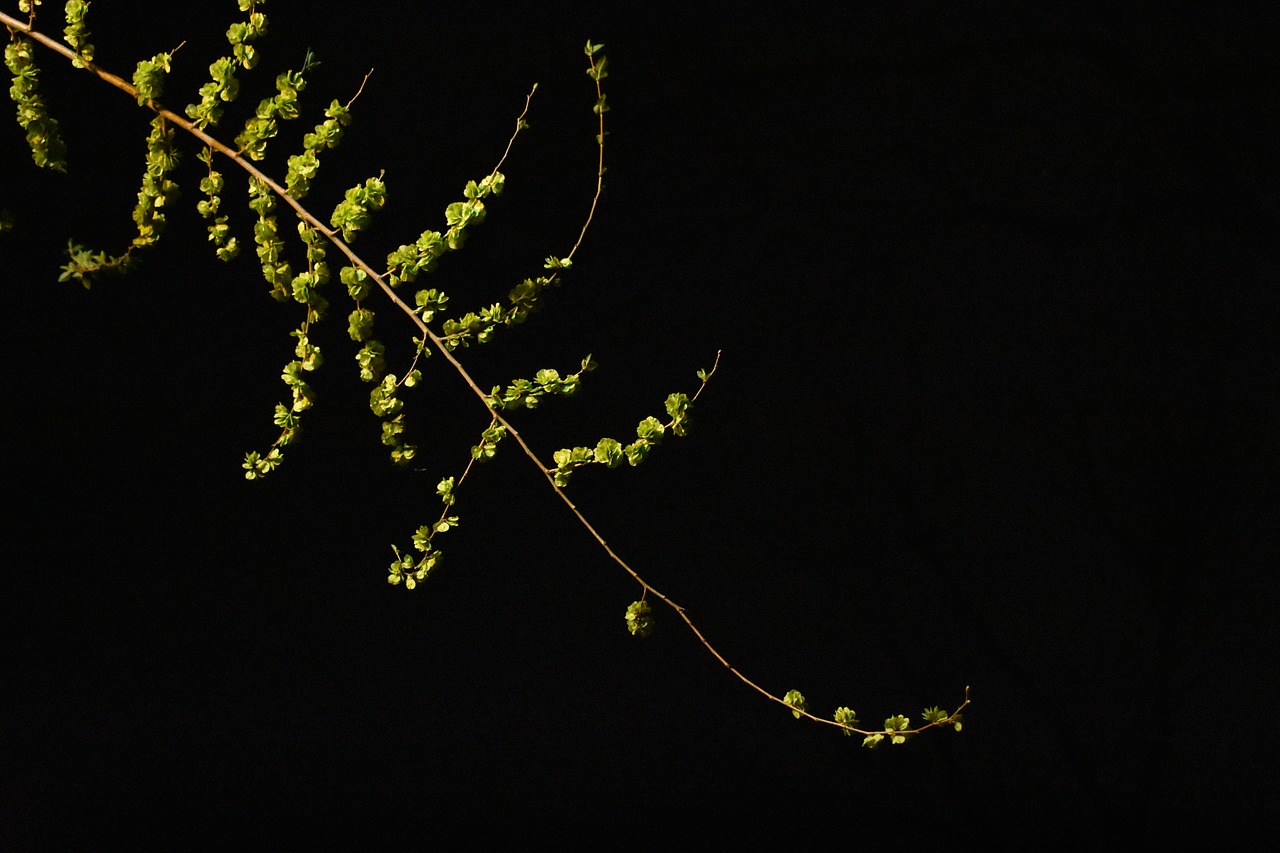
<point x="998" y="406"/>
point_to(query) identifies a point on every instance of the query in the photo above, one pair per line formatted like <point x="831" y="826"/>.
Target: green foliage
<point x="436" y="326"/>
<point x="83" y="264"/>
<point x="156" y="195"/>
<point x="223" y="88"/>
<point x="77" y="32"/>
<point x="608" y="451"/>
<point x="149" y="77"/>
<point x="897" y="724"/>
<point x="241" y="36"/>
<point x="327" y="134"/>
<point x="157" y="190"/>
<point x="428" y="303"/>
<point x="264" y="124"/>
<point x="410" y="570"/>
<point x="795" y="699"/>
<point x="356" y="210"/>
<point x="306" y="286"/>
<point x="257" y="466"/>
<point x="846" y="717"/>
<point x="370" y="356"/>
<point x="360" y="326"/>
<point x="43" y="135"/>
<point x="526" y="393"/>
<point x="406" y="262"/>
<point x="639" y="618"/>
<point x="489" y="439"/>
<point x="445" y="489"/>
<point x="266" y="237"/>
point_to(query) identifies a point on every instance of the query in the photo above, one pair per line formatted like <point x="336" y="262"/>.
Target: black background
<point x="995" y="290"/>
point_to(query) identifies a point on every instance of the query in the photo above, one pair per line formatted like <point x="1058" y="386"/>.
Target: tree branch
<point x="596" y="71"/>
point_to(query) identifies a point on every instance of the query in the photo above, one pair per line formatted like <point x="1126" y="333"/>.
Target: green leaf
<point x="445" y="490"/>
<point x="598" y="70"/>
<point x="609" y="452"/>
<point x="846" y="717"/>
<point x="796" y="700"/>
<point x="636" y="451"/>
<point x="360" y="324"/>
<point x="650" y="429"/>
<point x="897" y="723"/>
<point x="149" y="76"/>
<point x="639" y="618"/>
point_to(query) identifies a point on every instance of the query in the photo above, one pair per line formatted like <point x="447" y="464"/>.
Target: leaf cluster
<point x="610" y="452"/>
<point x="327" y="134"/>
<point x="897" y="728"/>
<point x="527" y="393"/>
<point x="639" y="618"/>
<point x="76" y="32"/>
<point x="227" y="246"/>
<point x="264" y="124"/>
<point x="43" y="134"/>
<point x="83" y="264"/>
<point x="149" y="77"/>
<point x="223" y="87"/>
<point x="158" y="191"/>
<point x="355" y="212"/>
<point x="270" y="246"/>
